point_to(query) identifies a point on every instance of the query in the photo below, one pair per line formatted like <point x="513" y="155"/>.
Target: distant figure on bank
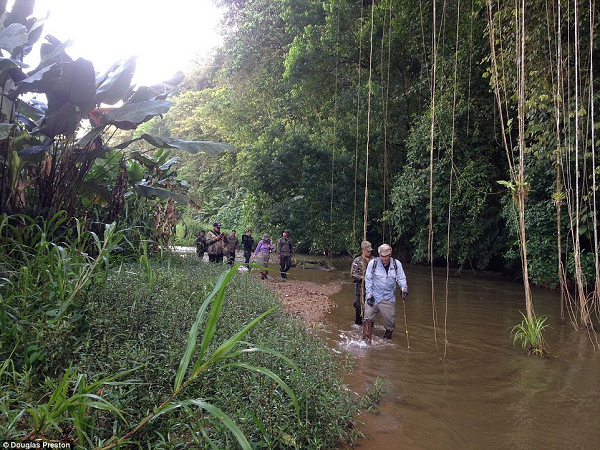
<point x="263" y="253"/>
<point x="248" y="246"/>
<point x="357" y="271"/>
<point x="381" y="277"/>
<point x="285" y="252"/>
<point x="232" y="245"/>
<point x="201" y="244"/>
<point x="216" y="243"/>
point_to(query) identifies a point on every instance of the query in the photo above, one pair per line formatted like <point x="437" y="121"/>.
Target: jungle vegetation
<point x="106" y="339"/>
<point x="464" y="133"/>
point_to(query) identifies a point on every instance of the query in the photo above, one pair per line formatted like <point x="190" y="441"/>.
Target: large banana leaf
<point x="188" y="146"/>
<point x="13" y="36"/>
<point x="130" y="115"/>
<point x="163" y="194"/>
<point x="116" y="82"/>
<point x="77" y="83"/>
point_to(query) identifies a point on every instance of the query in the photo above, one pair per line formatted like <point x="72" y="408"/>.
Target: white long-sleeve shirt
<point x="381" y="284"/>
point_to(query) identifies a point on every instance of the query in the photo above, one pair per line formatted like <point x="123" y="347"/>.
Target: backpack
<point x="375" y="265"/>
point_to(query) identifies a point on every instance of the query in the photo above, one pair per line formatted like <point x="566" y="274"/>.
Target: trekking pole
<point x="405" y="323"/>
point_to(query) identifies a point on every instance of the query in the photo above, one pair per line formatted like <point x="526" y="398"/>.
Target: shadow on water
<point x="462" y="384"/>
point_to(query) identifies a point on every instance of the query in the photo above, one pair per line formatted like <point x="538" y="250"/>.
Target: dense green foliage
<point x="95" y="345"/>
<point x="304" y="89"/>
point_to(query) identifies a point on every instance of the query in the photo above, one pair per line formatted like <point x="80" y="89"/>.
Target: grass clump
<point x="530" y="333"/>
<point x="373" y="396"/>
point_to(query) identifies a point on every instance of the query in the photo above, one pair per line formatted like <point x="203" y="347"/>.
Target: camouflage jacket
<point x="215" y="246"/>
<point x="285" y="247"/>
<point x="359" y="266"/>
<point x="232" y="244"/>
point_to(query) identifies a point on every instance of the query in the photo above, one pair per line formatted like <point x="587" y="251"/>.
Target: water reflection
<point x="462" y="384"/>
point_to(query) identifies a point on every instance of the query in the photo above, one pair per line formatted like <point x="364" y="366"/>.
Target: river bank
<point x="307" y="300"/>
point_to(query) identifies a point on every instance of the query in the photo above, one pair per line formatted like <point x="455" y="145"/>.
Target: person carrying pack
<point x="381" y="277"/>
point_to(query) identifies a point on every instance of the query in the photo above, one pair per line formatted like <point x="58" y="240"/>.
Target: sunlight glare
<point x="165" y="36"/>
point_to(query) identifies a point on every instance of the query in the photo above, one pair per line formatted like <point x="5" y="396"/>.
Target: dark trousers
<point x="218" y="258"/>
<point x="285" y="262"/>
<point x="231" y="258"/>
<point x="247" y="256"/>
<point x="358" y="295"/>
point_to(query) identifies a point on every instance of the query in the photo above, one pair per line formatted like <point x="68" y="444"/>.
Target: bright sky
<point x="165" y="35"/>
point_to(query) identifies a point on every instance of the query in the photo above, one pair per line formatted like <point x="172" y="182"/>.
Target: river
<point x="462" y="384"/>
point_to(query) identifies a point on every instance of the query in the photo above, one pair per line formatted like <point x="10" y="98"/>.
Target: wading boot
<point x="358" y="320"/>
<point x="367" y="329"/>
<point x="388" y="334"/>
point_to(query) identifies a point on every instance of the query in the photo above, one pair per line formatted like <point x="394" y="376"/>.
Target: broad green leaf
<point x="32" y="110"/>
<point x="143" y="159"/>
<point x="163" y="194"/>
<point x="41" y="80"/>
<point x="5" y="130"/>
<point x="169" y="163"/>
<point x="77" y="83"/>
<point x="116" y="82"/>
<point x="189" y="146"/>
<point x="7" y="63"/>
<point x="90" y="136"/>
<point x="137" y="112"/>
<point x="13" y="36"/>
<point x="64" y="121"/>
<point x="49" y="52"/>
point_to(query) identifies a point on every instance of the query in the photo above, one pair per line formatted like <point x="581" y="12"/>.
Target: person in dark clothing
<point x="201" y="244"/>
<point x="230" y="248"/>
<point x="248" y="246"/>
<point x="285" y="252"/>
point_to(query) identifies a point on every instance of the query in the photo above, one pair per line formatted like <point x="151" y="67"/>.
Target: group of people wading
<point x="375" y="287"/>
<point x="375" y="278"/>
<point x="219" y="245"/>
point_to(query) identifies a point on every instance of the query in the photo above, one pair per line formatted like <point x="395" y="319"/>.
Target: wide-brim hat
<point x="266" y="236"/>
<point x="217" y="224"/>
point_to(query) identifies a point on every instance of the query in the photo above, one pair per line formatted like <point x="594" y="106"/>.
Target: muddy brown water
<point x="479" y="391"/>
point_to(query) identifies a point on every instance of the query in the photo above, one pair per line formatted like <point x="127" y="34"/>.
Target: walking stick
<point x="405" y="323"/>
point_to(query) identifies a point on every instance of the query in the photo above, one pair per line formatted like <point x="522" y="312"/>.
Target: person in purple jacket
<point x="263" y="254"/>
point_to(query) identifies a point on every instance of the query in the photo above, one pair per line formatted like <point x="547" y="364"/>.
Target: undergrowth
<point x="102" y="354"/>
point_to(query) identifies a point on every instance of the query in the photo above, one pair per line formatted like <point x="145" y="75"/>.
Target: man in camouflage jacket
<point x="216" y="241"/>
<point x="357" y="271"/>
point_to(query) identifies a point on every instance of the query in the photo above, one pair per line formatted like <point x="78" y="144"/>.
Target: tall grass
<point x="46" y="268"/>
<point x="210" y="364"/>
